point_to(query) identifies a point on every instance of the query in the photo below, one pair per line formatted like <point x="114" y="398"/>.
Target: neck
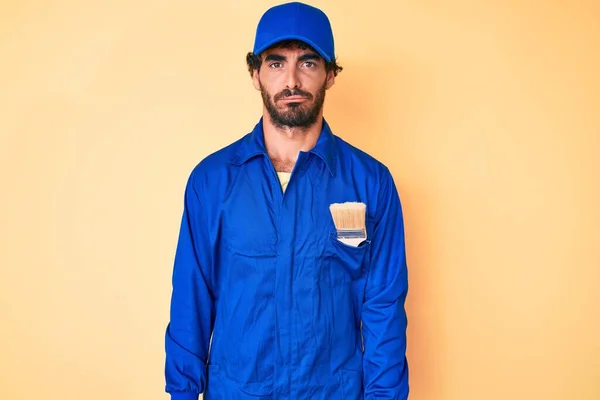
<point x="284" y="143"/>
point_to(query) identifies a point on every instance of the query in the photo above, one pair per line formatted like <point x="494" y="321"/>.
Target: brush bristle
<point x="349" y="215"/>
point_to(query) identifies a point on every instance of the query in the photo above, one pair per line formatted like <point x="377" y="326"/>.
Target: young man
<point x="288" y="309"/>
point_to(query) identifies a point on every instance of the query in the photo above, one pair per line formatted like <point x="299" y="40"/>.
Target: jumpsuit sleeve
<point x="384" y="319"/>
<point x="191" y="320"/>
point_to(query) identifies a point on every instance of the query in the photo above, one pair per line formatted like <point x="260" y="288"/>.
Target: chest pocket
<point x="247" y="254"/>
<point x="250" y="243"/>
<point x="343" y="263"/>
<point x="248" y="234"/>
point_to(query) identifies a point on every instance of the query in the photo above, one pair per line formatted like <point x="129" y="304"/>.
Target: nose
<point x="292" y="81"/>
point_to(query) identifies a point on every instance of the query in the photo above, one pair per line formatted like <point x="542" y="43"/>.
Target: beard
<point x="295" y="115"/>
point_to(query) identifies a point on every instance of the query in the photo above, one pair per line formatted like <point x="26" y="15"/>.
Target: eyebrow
<point x="304" y="57"/>
<point x="274" y="57"/>
<point x="308" y="56"/>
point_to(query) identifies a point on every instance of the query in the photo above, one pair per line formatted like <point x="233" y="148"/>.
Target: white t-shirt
<point x="284" y="178"/>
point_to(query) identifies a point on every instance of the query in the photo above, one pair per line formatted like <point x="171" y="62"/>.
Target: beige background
<point x="487" y="113"/>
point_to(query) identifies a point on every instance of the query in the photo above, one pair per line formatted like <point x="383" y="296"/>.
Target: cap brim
<point x="270" y="43"/>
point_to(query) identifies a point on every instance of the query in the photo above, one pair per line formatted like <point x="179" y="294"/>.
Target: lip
<point x="294" y="99"/>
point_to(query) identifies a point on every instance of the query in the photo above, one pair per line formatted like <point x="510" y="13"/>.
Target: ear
<point x="255" y="80"/>
<point x="330" y="79"/>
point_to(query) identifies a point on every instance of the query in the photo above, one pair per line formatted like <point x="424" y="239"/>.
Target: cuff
<point x="184" y="396"/>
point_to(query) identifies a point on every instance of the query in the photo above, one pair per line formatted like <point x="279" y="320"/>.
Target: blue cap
<point x="297" y="21"/>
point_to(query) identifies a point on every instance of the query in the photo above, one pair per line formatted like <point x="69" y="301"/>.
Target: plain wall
<point x="486" y="112"/>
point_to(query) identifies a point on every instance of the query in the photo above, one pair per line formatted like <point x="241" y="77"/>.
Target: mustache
<point x="296" y="92"/>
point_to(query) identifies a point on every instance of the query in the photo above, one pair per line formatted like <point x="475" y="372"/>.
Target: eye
<point x="275" y="64"/>
<point x="310" y="64"/>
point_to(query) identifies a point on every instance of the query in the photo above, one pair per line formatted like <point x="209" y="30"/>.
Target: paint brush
<point x="350" y="222"/>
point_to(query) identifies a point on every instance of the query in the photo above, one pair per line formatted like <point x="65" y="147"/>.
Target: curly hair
<point x="253" y="61"/>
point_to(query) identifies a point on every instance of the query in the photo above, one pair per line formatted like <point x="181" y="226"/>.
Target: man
<point x="288" y="309"/>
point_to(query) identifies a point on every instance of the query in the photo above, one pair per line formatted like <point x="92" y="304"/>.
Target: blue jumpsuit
<point x="267" y="303"/>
